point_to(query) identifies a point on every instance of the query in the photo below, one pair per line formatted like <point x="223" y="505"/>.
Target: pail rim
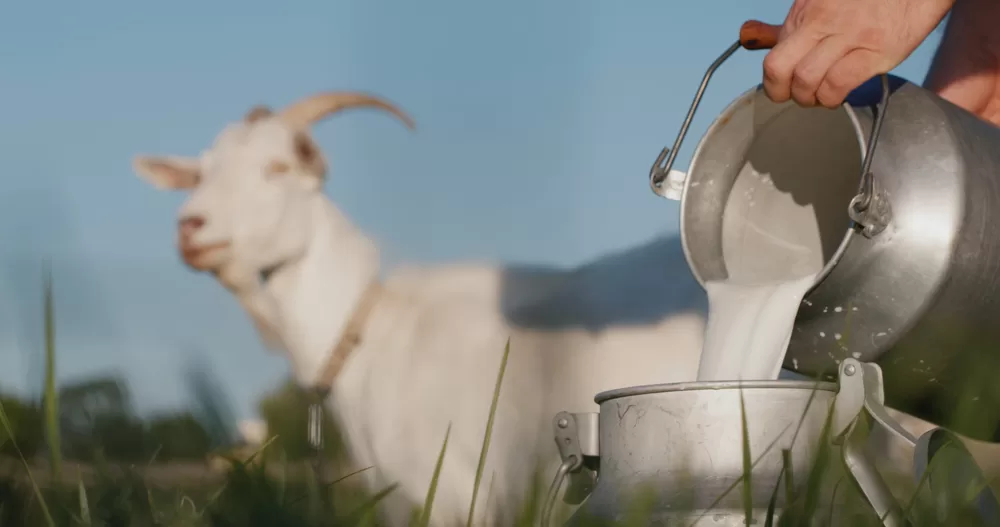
<point x="647" y="389"/>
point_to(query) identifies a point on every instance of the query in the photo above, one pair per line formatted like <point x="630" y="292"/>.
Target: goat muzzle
<point x="197" y="256"/>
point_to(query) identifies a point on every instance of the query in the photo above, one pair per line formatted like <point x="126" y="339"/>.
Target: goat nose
<point x="188" y="225"/>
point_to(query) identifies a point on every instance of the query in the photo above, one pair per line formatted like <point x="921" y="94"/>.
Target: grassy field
<point x="259" y="490"/>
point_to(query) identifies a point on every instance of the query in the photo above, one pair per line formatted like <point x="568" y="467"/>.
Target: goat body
<point x="430" y="347"/>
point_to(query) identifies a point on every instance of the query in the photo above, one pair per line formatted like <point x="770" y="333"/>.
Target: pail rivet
<point x="849" y="370"/>
<point x="563" y="423"/>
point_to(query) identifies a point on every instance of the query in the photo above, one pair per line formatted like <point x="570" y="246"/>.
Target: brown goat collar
<point x="349" y="339"/>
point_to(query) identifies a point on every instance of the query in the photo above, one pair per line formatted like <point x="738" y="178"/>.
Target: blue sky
<point x="537" y="124"/>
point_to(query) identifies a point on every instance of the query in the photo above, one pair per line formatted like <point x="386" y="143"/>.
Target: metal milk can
<point x="904" y="190"/>
<point x="727" y="454"/>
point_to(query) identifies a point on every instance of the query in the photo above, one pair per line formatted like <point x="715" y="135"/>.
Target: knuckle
<point x="804" y="99"/>
<point x="838" y="82"/>
<point x="833" y="92"/>
<point x="775" y="67"/>
<point x="774" y="92"/>
<point x="829" y="99"/>
<point x="807" y="73"/>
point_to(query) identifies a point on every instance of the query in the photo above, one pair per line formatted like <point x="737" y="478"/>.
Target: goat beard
<point x="245" y="283"/>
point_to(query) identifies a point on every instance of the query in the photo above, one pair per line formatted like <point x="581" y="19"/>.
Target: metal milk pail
<point x="683" y="444"/>
<point x="904" y="188"/>
<point x="727" y="454"/>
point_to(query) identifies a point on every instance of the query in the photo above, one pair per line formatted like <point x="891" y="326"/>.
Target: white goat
<point x="408" y="356"/>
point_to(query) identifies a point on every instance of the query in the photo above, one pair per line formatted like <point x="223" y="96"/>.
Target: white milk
<point x="749" y="326"/>
<point x="784" y="218"/>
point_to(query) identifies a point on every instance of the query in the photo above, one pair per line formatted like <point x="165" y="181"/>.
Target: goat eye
<point x="276" y="168"/>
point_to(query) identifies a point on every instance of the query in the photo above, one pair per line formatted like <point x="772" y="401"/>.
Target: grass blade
<point x="818" y="471"/>
<point x="425" y="515"/>
<point x="738" y="481"/>
<point x="51" y="399"/>
<point x="789" y="475"/>
<point x="355" y="516"/>
<point x="5" y="423"/>
<point x="747" y="463"/>
<point x="833" y="497"/>
<point x="769" y="519"/>
<point x="489" y="433"/>
<point x="82" y="496"/>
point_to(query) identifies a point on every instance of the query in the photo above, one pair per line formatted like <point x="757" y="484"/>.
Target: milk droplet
<point x="795" y="363"/>
<point x="855" y="308"/>
<point x="856" y="354"/>
<point x="838" y="309"/>
<point x="836" y="336"/>
<point x="822" y="334"/>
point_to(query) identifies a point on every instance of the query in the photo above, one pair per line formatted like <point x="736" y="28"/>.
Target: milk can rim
<point x="747" y="97"/>
<point x="648" y="389"/>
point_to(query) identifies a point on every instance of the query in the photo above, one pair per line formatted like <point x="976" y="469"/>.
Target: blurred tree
<point x="211" y="406"/>
<point x="26" y="420"/>
<point x="83" y="400"/>
<point x="120" y="437"/>
<point x="97" y="414"/>
<point x="179" y="436"/>
<point x="286" y="411"/>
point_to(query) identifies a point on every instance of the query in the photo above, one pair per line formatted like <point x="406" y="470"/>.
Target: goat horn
<point x="311" y="109"/>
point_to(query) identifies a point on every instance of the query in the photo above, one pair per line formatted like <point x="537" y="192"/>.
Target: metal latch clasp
<point x="578" y="440"/>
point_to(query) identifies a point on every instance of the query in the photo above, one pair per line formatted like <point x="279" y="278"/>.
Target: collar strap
<point x="349" y="339"/>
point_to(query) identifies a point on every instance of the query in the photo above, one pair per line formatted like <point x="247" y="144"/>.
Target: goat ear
<point x="168" y="173"/>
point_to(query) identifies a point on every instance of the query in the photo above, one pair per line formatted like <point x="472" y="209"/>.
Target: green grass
<point x="51" y="400"/>
<point x="252" y="493"/>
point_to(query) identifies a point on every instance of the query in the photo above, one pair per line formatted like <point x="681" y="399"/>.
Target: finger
<point x="813" y="68"/>
<point x="780" y="63"/>
<point x="854" y="68"/>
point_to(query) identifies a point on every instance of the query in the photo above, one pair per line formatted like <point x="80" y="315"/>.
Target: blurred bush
<point x="179" y="436"/>
<point x="26" y="420"/>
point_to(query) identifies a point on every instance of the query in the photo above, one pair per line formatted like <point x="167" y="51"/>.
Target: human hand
<point x="826" y="48"/>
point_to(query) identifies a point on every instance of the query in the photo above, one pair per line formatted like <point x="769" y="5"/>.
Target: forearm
<point x="966" y="66"/>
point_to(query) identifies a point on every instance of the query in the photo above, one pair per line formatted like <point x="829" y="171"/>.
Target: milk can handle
<point x="868" y="209"/>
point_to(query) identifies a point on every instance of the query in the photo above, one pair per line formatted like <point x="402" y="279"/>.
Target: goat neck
<point x="317" y="295"/>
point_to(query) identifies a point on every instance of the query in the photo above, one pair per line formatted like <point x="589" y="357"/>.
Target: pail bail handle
<point x="869" y="209"/>
<point x="753" y="35"/>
